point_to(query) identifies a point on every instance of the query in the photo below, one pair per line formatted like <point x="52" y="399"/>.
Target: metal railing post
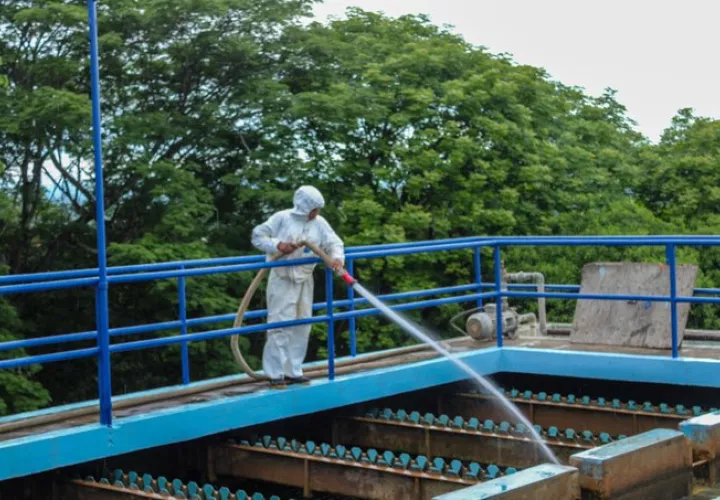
<point x="330" y="323"/>
<point x="498" y="298"/>
<point x="478" y="274"/>
<point x="351" y="297"/>
<point x="184" y="352"/>
<point x="101" y="319"/>
<point x="670" y="258"/>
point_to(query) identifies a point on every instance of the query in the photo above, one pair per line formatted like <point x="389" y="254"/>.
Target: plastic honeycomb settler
<point x="172" y="489"/>
<point x="615" y="404"/>
<point x="403" y="461"/>
<point x="491" y="427"/>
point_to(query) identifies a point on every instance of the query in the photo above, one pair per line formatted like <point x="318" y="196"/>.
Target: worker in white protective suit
<point x="290" y="288"/>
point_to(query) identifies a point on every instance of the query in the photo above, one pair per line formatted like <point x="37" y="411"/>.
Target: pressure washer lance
<point x="341" y="367"/>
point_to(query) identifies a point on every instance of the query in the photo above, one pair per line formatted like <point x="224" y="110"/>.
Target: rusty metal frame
<point x="319" y="473"/>
<point x="615" y="421"/>
<point x="507" y="450"/>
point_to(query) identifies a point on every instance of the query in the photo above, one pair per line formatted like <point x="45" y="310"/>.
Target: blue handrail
<point x="474" y="292"/>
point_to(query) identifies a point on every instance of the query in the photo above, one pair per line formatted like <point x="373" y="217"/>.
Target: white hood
<point x="307" y="199"/>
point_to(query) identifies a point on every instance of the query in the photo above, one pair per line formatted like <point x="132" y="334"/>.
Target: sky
<point x="660" y="55"/>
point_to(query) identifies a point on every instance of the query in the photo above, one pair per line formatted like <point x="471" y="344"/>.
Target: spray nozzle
<point x="345" y="276"/>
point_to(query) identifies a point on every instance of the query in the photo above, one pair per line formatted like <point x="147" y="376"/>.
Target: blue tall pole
<point x="101" y="309"/>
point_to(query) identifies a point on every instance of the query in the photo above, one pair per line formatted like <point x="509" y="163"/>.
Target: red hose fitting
<point x="348" y="279"/>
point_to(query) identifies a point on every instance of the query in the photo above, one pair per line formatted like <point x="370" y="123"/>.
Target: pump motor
<point x="481" y="325"/>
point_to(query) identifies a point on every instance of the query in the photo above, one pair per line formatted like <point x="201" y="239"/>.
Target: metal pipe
<point x="217" y="265"/>
<point x="184" y="351"/>
<point x="214" y="262"/>
<point x="564" y="329"/>
<point x="651" y="240"/>
<point x="330" y="322"/>
<point x="48" y="358"/>
<point x="47" y="285"/>
<point x="477" y="267"/>
<point x="593" y="296"/>
<point x="498" y="295"/>
<point x="352" y="323"/>
<point x="539" y="279"/>
<point x="102" y="320"/>
<point x="416" y="305"/>
<point x="670" y="256"/>
<point x="598" y="241"/>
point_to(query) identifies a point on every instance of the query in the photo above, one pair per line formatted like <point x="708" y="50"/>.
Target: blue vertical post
<point x="101" y="310"/>
<point x="478" y="274"/>
<point x="670" y="258"/>
<point x="351" y="297"/>
<point x="182" y="305"/>
<point x="331" y="322"/>
<point x="498" y="290"/>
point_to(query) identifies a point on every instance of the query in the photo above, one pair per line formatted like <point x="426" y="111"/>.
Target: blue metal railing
<point x="473" y="292"/>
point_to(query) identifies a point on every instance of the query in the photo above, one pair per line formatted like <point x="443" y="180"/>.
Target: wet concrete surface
<point x="71" y="418"/>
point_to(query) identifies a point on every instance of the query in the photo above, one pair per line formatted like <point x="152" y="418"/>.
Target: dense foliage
<point x="216" y="110"/>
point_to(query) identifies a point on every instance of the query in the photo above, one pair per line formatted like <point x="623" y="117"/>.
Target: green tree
<point x="680" y="183"/>
<point x="19" y="391"/>
<point x="415" y="134"/>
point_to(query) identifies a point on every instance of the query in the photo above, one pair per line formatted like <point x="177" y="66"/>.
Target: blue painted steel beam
<point x="612" y="366"/>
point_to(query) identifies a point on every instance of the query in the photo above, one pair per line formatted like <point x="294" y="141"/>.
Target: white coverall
<point x="290" y="289"/>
